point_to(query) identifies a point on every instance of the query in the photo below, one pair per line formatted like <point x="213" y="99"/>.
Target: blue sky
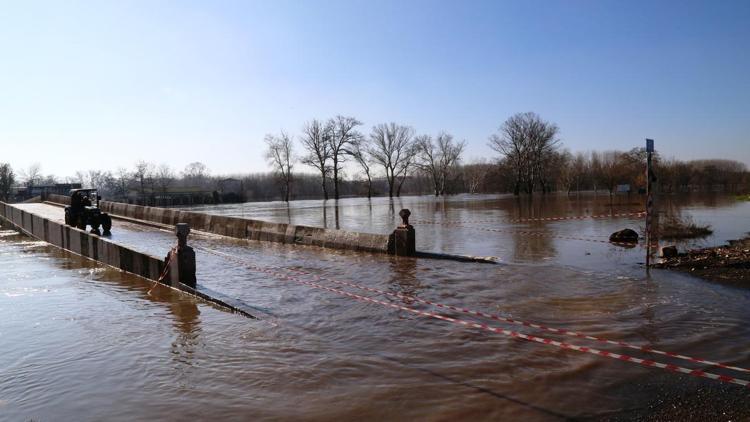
<point x="103" y="84"/>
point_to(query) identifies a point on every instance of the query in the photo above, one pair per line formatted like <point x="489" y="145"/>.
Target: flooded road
<point x="84" y="342"/>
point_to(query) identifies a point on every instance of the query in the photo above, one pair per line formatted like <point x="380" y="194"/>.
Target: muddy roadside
<point x="727" y="263"/>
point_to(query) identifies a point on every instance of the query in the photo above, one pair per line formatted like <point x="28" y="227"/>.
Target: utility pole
<point x="649" y="200"/>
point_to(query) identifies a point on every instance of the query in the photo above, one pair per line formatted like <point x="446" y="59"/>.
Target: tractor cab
<point x="84" y="211"/>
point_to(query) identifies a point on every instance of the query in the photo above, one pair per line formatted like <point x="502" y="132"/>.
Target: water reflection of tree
<point x="336" y="219"/>
<point x="336" y="214"/>
<point x="531" y="247"/>
<point x="533" y="207"/>
<point x="325" y="215"/>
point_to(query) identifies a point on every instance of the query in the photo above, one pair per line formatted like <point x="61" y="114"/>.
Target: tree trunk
<point x="335" y="178"/>
<point x="400" y="183"/>
<point x="325" y="189"/>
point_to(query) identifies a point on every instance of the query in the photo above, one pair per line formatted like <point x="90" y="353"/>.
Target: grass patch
<point x="674" y="227"/>
<point x="745" y="197"/>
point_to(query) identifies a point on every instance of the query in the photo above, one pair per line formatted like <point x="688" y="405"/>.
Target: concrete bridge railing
<point x="102" y="250"/>
<point x="82" y="243"/>
<point x="244" y="228"/>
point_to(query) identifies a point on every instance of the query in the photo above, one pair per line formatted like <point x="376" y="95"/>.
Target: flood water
<point x="81" y="341"/>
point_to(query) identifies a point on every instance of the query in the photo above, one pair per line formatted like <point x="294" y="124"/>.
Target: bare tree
<point x="343" y="135"/>
<point x="316" y="141"/>
<point x="438" y="158"/>
<point x="543" y="141"/>
<point x="279" y="155"/>
<point x="80" y="177"/>
<point x="121" y="182"/>
<point x="142" y="173"/>
<point x="49" y="179"/>
<point x="474" y="174"/>
<point x="195" y="173"/>
<point x="612" y="169"/>
<point x="33" y="175"/>
<point x="407" y="164"/>
<point x="358" y="150"/>
<point x="164" y="177"/>
<point x="525" y="141"/>
<point x="7" y="180"/>
<point x="391" y="147"/>
<point x="579" y="171"/>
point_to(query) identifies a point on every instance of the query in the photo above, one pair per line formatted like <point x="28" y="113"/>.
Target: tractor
<point x="83" y="212"/>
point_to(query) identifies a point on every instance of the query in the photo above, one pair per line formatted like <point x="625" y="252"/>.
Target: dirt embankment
<point x="729" y="263"/>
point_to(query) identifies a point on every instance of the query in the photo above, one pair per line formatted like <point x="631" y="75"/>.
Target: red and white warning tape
<point x="498" y="330"/>
<point x="524" y="323"/>
<point x="530" y="220"/>
<point x="539" y="234"/>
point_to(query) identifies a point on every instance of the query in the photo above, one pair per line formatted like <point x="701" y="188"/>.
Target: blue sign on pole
<point x="649" y="145"/>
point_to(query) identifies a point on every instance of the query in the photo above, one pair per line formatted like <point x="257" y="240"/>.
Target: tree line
<point x="393" y="159"/>
<point x="393" y="150"/>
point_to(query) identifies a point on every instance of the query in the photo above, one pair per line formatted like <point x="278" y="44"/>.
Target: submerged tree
<point x="343" y="135"/>
<point x="316" y="140"/>
<point x="391" y="147"/>
<point x="279" y="155"/>
<point x="438" y="158"/>
<point x="611" y="169"/>
<point x="474" y="175"/>
<point x="359" y="151"/>
<point x="525" y="141"/>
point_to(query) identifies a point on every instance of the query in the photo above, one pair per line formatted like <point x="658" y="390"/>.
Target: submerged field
<point x="76" y="335"/>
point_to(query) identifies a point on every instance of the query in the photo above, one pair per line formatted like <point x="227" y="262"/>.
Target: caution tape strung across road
<point x="538" y="234"/>
<point x="498" y="330"/>
<point x="526" y="324"/>
<point x="540" y="219"/>
<point x="507" y="319"/>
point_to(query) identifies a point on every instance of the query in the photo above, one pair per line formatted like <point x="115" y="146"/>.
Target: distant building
<point x="24" y="193"/>
<point x="171" y="196"/>
<point x="623" y="188"/>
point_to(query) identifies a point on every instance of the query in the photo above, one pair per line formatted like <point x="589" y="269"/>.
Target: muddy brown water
<point x="80" y="341"/>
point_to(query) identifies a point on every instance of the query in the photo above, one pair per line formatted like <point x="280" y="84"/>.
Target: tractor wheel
<point x="94" y="222"/>
<point x="68" y="220"/>
<point x="106" y="223"/>
<point x="81" y="224"/>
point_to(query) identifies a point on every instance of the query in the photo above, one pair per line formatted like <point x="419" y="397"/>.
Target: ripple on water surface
<point x="76" y="335"/>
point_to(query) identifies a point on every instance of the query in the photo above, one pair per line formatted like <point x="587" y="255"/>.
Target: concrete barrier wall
<point x="250" y="229"/>
<point x="83" y="243"/>
<point x="244" y="228"/>
<point x="59" y="199"/>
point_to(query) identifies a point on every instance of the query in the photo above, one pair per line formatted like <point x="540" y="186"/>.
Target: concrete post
<point x="404" y="237"/>
<point x="180" y="260"/>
